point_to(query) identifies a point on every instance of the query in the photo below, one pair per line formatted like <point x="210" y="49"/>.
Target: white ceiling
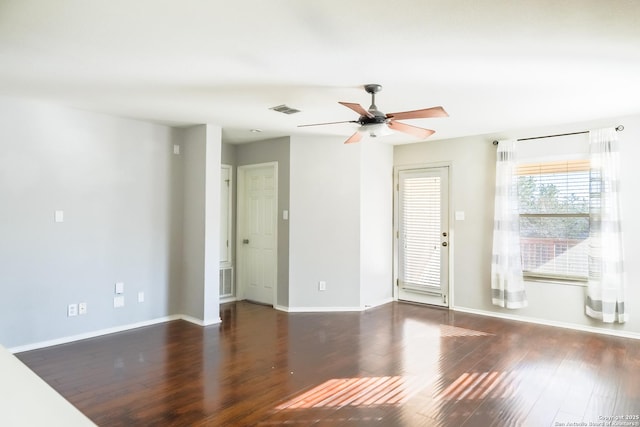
<point x="494" y="65"/>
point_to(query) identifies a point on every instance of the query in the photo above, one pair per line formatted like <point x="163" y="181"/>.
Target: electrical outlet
<point x="119" y="288"/>
<point x="322" y="285"/>
<point x="72" y="310"/>
<point x="82" y="308"/>
<point x="140" y="296"/>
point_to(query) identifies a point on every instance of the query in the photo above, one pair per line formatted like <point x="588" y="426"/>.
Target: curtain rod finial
<point x="495" y="142"/>
<point x="619" y="128"/>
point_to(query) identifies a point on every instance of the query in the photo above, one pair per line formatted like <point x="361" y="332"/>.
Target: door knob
<point x="444" y="243"/>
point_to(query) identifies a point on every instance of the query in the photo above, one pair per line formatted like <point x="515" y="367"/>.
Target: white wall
<point x="115" y="180"/>
<point x="213" y="157"/>
<point x="473" y="180"/>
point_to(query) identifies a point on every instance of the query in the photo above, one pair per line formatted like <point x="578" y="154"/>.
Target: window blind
<point x="554" y="218"/>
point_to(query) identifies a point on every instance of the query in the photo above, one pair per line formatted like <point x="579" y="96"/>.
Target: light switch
<point x="285" y="214"/>
<point x="176" y="149"/>
<point x="59" y="216"/>
<point x="459" y="215"/>
<point x="119" y="288"/>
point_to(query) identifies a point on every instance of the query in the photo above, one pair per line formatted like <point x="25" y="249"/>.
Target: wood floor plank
<point x="395" y="365"/>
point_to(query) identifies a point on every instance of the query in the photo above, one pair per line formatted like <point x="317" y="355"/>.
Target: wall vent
<point x="226" y="282"/>
<point x="284" y="109"/>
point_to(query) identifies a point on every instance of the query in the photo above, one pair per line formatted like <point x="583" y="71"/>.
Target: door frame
<point x="396" y="225"/>
<point x="240" y="261"/>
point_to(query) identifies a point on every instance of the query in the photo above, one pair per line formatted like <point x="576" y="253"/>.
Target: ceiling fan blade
<point x="421" y="133"/>
<point x="328" y="123"/>
<point x="354" y="138"/>
<point x="426" y="113"/>
<point x="357" y="108"/>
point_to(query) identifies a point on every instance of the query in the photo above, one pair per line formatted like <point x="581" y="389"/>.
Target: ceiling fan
<point x="376" y="123"/>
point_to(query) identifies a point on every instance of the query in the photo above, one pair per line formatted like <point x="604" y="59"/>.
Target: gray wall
<point x="118" y="184"/>
<point x="325" y="223"/>
<point x="472" y="189"/>
<point x="199" y="288"/>
<point x="273" y="150"/>
<point x="376" y="224"/>
<point x="341" y="223"/>
<point x="193" y="153"/>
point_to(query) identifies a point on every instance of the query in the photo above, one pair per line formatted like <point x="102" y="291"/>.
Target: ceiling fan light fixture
<point x="376" y="129"/>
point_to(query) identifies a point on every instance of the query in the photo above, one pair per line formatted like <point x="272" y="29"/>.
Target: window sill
<point x="555" y="281"/>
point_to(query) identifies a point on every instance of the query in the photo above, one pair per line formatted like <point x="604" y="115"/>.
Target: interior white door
<point x="423" y="235"/>
<point x="257" y="232"/>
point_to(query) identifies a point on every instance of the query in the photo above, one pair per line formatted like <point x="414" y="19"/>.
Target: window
<point x="554" y="218"/>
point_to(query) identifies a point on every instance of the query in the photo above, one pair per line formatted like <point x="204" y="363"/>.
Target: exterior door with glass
<point x="423" y="235"/>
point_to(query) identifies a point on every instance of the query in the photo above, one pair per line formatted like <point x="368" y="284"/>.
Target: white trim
<point x="553" y="323"/>
<point x="229" y="205"/>
<point x="107" y="331"/>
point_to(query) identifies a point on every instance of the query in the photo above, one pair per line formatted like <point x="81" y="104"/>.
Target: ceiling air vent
<point x="284" y="109"/>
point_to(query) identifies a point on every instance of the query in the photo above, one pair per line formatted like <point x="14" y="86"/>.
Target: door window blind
<point x="420" y="228"/>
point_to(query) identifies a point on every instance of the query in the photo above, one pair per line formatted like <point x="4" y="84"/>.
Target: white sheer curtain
<point x="605" y="291"/>
<point x="507" y="284"/>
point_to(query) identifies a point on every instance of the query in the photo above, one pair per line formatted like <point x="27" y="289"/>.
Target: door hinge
<point x="444" y="299"/>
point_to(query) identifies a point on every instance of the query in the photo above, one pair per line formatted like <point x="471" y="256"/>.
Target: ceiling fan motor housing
<point x="378" y="118"/>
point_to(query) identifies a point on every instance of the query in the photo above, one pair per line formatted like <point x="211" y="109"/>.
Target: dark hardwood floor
<point x="395" y="365"/>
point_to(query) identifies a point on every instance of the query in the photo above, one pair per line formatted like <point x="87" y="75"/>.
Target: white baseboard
<point x="330" y="309"/>
<point x="198" y="321"/>
<point x="379" y="303"/>
<point x="107" y="331"/>
<point x="321" y="309"/>
<point x="583" y="328"/>
<point x="92" y="334"/>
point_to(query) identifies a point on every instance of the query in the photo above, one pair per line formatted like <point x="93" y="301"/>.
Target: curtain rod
<point x="618" y="128"/>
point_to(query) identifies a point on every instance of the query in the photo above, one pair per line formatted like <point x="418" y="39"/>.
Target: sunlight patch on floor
<point x="454" y="331"/>
<point x="357" y="392"/>
<point x="480" y="385"/>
